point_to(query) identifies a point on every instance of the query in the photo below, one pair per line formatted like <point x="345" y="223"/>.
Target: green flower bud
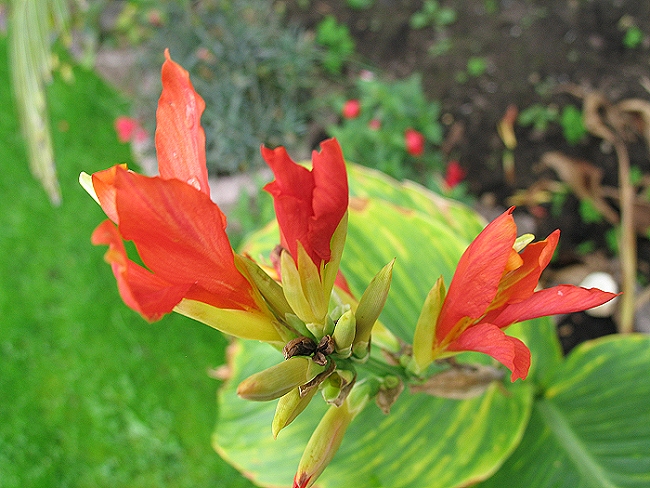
<point x="278" y="380"/>
<point x="327" y="437"/>
<point x="289" y="407"/>
<point x="370" y="306"/>
<point x="344" y="332"/>
<point x="425" y="329"/>
<point x="270" y="289"/>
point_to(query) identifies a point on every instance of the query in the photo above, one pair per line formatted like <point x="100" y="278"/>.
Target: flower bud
<point x="425" y="328"/>
<point x="327" y="437"/>
<point x="337" y="386"/>
<point x="278" y="380"/>
<point x="289" y="407"/>
<point x="344" y="332"/>
<point x="370" y="306"/>
<point x="270" y="289"/>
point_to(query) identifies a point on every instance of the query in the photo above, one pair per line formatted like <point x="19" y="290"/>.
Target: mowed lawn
<point x="91" y="395"/>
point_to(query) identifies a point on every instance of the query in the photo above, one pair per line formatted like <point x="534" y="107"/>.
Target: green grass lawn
<point x="91" y="395"/>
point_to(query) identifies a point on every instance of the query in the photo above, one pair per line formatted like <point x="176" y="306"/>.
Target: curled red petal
<point x="180" y="139"/>
<point x="180" y="236"/>
<point x="309" y="205"/>
<point x="292" y="192"/>
<point x="520" y="283"/>
<point x="330" y="198"/>
<point x="104" y="186"/>
<point x="140" y="289"/>
<point x="489" y="339"/>
<point x="480" y="269"/>
<point x="552" y="301"/>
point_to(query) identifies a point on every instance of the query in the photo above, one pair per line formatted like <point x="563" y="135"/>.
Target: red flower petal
<point x="125" y="128"/>
<point x="104" y="186"/>
<point x="140" y="289"/>
<point x="455" y="174"/>
<point x="476" y="280"/>
<point x="489" y="339"/>
<point x="292" y="192"/>
<point x="552" y="301"/>
<point x="180" y="140"/>
<point x="520" y="283"/>
<point x="180" y="235"/>
<point x="351" y="109"/>
<point x="330" y="198"/>
<point x="309" y="205"/>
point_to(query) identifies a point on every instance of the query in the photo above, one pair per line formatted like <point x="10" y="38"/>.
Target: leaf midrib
<point x="574" y="447"/>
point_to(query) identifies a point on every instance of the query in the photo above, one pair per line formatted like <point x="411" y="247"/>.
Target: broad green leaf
<point x="591" y="426"/>
<point x="425" y="442"/>
<point x="424" y="249"/>
<point x="370" y="183"/>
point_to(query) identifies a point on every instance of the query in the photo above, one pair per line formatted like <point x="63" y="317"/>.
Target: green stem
<point x="380" y="368"/>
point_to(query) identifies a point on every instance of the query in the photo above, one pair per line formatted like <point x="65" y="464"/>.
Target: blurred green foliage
<point x="376" y="137"/>
<point x="254" y="73"/>
<point x="337" y="43"/>
<point x="433" y="14"/>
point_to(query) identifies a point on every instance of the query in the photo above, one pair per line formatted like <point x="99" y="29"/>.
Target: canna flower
<point x="494" y="287"/>
<point x="309" y="205"/>
<point x="414" y="141"/>
<point x="351" y="109"/>
<point x="179" y="233"/>
<point x="311" y="209"/>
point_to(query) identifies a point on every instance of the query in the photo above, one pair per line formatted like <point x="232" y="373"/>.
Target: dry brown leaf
<point x="583" y="178"/>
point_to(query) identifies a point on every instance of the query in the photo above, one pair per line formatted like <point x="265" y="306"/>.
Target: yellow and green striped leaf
<point x="591" y="426"/>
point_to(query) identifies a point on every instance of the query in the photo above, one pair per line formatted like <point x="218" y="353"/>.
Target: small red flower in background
<point x="129" y="129"/>
<point x="414" y="141"/>
<point x="351" y="109"/>
<point x="455" y="174"/>
<point x="309" y="205"/>
<point x="374" y="124"/>
<point x="494" y="287"/>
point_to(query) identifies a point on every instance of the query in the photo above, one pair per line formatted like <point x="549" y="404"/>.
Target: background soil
<point x="533" y="49"/>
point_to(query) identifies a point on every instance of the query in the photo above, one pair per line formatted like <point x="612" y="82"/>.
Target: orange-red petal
<point x="292" y="192"/>
<point x="104" y="186"/>
<point x="521" y="283"/>
<point x="140" y="289"/>
<point x="330" y="198"/>
<point x="180" y="139"/>
<point x="489" y="339"/>
<point x="552" y="301"/>
<point x="309" y="205"/>
<point x="480" y="269"/>
<point x="180" y="236"/>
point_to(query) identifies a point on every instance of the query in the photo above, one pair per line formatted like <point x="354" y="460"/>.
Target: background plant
<point x="376" y="137"/>
<point x="254" y="74"/>
<point x="337" y="43"/>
